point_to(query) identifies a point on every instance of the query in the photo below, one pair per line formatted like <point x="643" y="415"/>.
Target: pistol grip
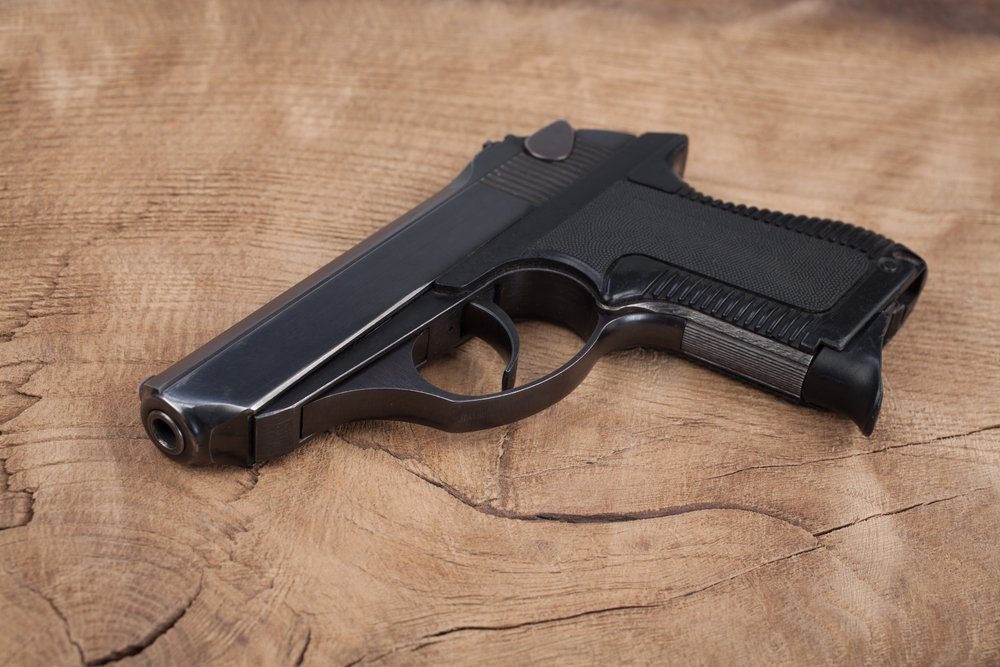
<point x="799" y="305"/>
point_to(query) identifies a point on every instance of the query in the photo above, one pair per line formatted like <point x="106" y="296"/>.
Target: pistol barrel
<point x="200" y="409"/>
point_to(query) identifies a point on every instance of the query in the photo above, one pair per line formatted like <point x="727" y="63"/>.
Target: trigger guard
<point x="393" y="388"/>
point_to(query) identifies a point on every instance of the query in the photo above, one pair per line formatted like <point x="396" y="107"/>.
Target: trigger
<point x="486" y="320"/>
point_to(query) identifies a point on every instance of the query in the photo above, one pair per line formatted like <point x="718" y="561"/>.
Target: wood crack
<point x="925" y="503"/>
<point x="880" y="450"/>
<point x="433" y="637"/>
<point x="62" y="617"/>
<point x="152" y="636"/>
<point x="300" y="658"/>
<point x="47" y="291"/>
<point x="253" y="477"/>
<point x="753" y="569"/>
<point x="565" y="517"/>
<point x="953" y="436"/>
<point x="62" y="264"/>
<point x="540" y="621"/>
<point x="503" y="449"/>
<point x="25" y="496"/>
<point x="17" y="389"/>
<point x="24" y="517"/>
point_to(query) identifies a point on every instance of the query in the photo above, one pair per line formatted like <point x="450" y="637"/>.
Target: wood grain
<point x="165" y="168"/>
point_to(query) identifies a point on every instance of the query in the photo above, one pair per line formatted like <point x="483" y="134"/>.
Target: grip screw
<point x="888" y="264"/>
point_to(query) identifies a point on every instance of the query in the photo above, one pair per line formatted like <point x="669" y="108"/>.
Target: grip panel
<point x="801" y="271"/>
<point x="793" y="279"/>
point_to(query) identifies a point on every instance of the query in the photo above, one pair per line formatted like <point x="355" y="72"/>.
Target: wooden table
<point x="167" y="168"/>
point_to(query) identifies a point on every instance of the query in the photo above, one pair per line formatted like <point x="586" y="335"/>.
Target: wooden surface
<point x="167" y="168"/>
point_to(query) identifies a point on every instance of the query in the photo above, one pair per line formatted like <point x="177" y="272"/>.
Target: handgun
<point x="592" y="230"/>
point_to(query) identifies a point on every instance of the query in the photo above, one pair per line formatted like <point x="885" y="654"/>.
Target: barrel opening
<point x="165" y="432"/>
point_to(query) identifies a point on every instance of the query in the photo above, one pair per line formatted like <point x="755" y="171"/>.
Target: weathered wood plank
<point x="165" y="168"/>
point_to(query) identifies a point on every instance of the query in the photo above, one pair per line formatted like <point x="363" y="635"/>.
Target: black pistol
<point x="593" y="230"/>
